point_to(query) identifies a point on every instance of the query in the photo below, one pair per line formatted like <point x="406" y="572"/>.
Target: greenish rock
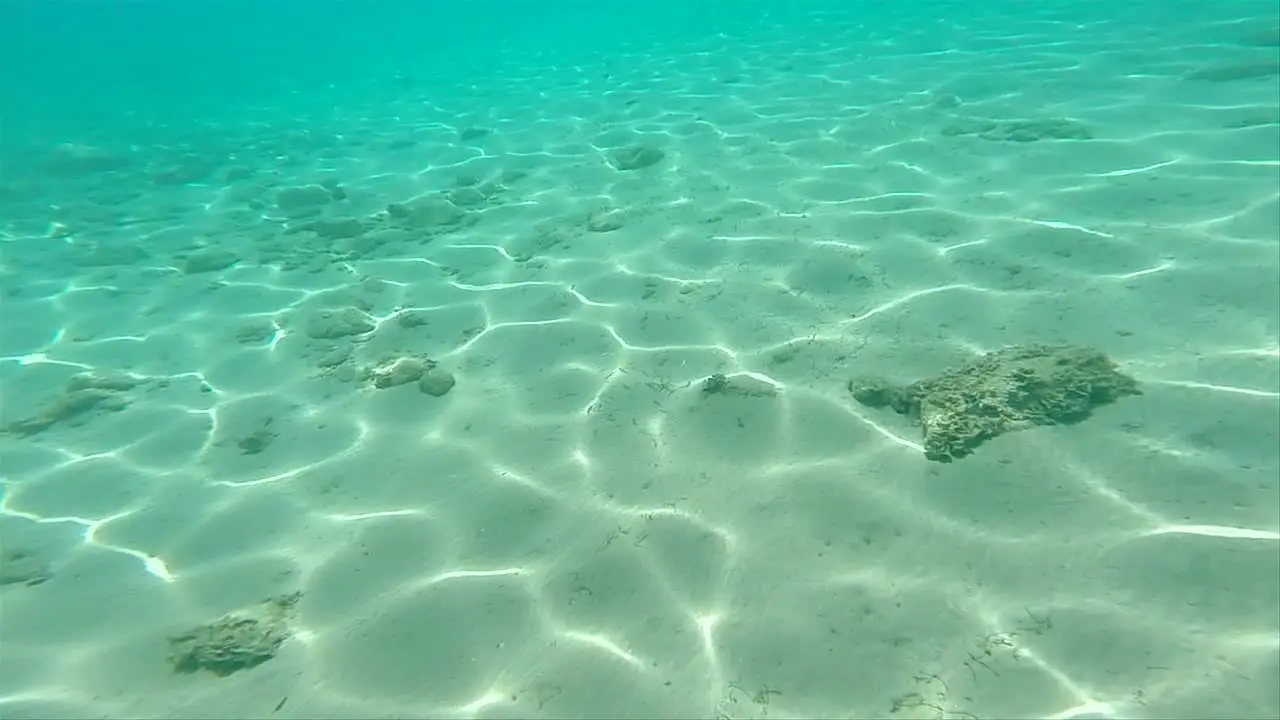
<point x="1011" y="389"/>
<point x="235" y="642"/>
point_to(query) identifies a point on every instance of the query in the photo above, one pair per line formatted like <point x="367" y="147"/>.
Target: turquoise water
<point x="501" y="359"/>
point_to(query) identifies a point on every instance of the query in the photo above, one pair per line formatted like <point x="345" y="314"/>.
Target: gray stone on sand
<point x="606" y="220"/>
<point x="335" y="228"/>
<point x="1022" y="131"/>
<point x="436" y="382"/>
<point x="333" y="358"/>
<point x="255" y="332"/>
<point x="382" y="240"/>
<point x="258" y="440"/>
<point x="209" y="260"/>
<point x="399" y="371"/>
<point x="409" y="319"/>
<point x="402" y="370"/>
<point x="333" y="324"/>
<point x="237" y="173"/>
<point x="636" y="157"/>
<point x="303" y="200"/>
<point x="113" y="381"/>
<point x="737" y="386"/>
<point x="426" y="213"/>
<point x="467" y="197"/>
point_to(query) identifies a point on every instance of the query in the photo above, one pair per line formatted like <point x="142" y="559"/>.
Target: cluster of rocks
<point x="305" y="226"/>
<point x="340" y="331"/>
<point x="269" y="218"/>
<point x="404" y="369"/>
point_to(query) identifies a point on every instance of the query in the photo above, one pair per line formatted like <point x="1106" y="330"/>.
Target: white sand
<point x="576" y="529"/>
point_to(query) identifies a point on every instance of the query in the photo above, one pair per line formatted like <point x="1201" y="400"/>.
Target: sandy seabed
<point x="538" y="407"/>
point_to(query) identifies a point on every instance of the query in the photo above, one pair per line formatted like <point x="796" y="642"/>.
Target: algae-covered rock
<point x="85" y="396"/>
<point x="1010" y="389"/>
<point x="235" y="642"/>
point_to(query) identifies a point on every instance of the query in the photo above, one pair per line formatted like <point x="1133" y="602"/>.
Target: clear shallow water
<point x="364" y="302"/>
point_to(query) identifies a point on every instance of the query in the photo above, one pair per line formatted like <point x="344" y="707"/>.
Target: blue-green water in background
<point x="162" y="62"/>
<point x="101" y="66"/>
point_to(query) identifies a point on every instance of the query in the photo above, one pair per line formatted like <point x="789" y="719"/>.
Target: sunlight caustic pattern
<point x="568" y="438"/>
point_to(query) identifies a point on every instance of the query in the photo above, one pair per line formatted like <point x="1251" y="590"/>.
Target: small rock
<point x="467" y="197"/>
<point x="603" y="221"/>
<point x="511" y="177"/>
<point x="255" y="333"/>
<point x="333" y="324"/>
<point x="400" y="371"/>
<point x="739" y="386"/>
<point x="875" y="392"/>
<point x="209" y="260"/>
<point x="407" y="319"/>
<point x="256" y="441"/>
<point x="436" y="382"/>
<point x="636" y="157"/>
<point x="336" y="228"/>
<point x="334" y="358"/>
<point x="1022" y="131"/>
<point x="361" y="245"/>
<point x="237" y="173"/>
<point x="428" y="213"/>
<point x="111" y="381"/>
<point x="303" y="200"/>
